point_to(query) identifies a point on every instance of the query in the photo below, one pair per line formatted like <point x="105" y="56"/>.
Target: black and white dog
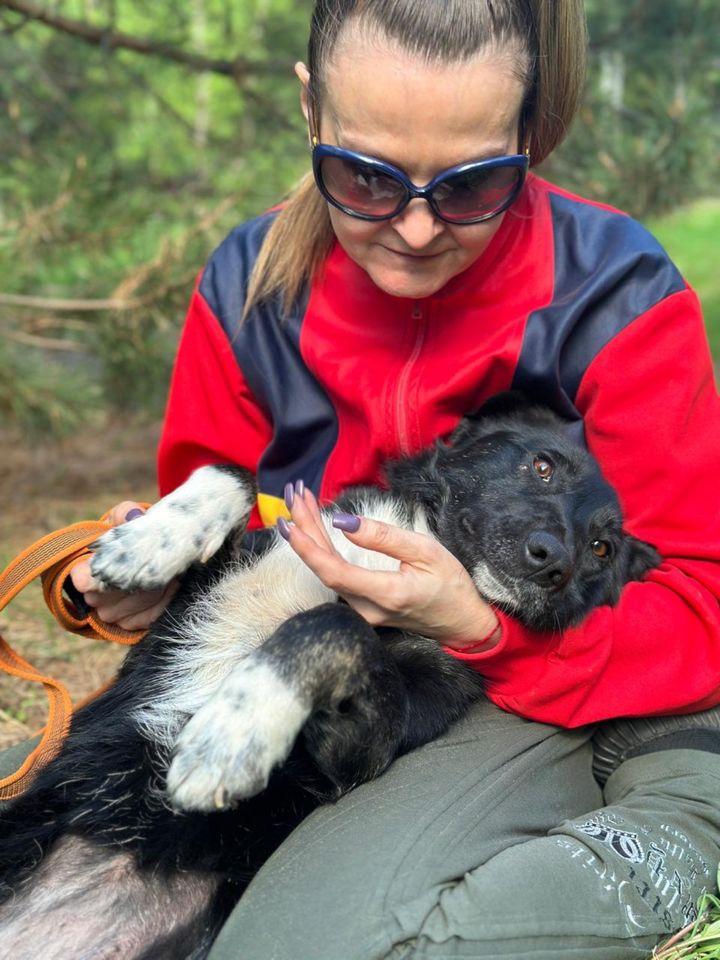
<point x="257" y="696"/>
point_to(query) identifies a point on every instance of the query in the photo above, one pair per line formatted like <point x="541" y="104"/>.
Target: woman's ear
<point x="303" y="75"/>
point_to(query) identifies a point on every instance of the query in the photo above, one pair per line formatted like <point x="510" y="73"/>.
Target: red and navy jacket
<point x="572" y="302"/>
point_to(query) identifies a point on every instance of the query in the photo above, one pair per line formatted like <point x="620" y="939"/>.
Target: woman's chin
<point x="413" y="282"/>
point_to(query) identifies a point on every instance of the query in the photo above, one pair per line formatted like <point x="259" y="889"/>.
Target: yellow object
<point x="271" y="508"/>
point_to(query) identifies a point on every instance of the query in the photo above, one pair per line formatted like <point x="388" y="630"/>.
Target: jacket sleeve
<point x="652" y="418"/>
<point x="212" y="415"/>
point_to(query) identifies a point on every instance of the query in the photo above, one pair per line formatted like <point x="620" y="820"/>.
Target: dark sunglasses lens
<point x="361" y="187"/>
<point x="478" y="193"/>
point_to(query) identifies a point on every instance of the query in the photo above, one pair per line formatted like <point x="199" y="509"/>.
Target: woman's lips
<point x="414" y="256"/>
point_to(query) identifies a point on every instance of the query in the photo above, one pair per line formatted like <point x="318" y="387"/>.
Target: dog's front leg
<point x="321" y="661"/>
<point x="188" y="525"/>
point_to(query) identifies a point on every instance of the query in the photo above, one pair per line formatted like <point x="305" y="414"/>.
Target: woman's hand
<point x="430" y="594"/>
<point x="131" y="611"/>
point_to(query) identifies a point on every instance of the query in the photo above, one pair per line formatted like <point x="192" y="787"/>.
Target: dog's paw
<point x="147" y="553"/>
<point x="189" y="524"/>
<point x="228" y="750"/>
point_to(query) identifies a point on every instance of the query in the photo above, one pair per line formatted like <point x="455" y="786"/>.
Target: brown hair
<point x="550" y="33"/>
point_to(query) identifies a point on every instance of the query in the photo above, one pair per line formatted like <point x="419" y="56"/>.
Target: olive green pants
<point x="493" y="841"/>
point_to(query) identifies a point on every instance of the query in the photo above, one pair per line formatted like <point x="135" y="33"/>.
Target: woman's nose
<point x="417" y="224"/>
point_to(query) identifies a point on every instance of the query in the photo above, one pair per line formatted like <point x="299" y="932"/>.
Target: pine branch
<point x="110" y="39"/>
<point x="46" y="343"/>
<point x="61" y="305"/>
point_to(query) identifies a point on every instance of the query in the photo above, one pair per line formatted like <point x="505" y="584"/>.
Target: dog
<point x="258" y="696"/>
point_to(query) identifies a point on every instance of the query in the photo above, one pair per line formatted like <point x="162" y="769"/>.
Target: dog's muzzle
<point x="547" y="560"/>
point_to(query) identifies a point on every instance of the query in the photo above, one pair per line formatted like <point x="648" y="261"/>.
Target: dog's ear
<point x="421" y="479"/>
<point x="642" y="558"/>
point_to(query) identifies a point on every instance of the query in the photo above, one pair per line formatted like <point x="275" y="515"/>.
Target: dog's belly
<point x="91" y="903"/>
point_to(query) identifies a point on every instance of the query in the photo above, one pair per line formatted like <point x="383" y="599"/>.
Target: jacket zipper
<point x="419" y="317"/>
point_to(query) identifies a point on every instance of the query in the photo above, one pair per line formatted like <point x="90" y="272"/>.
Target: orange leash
<point x="52" y="558"/>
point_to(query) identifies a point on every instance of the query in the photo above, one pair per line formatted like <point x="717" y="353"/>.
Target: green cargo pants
<point x="492" y="842"/>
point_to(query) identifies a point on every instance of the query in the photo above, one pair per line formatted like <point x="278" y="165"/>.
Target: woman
<point x="374" y="314"/>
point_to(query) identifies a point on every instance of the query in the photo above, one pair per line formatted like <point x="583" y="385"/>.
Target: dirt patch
<point x="45" y="485"/>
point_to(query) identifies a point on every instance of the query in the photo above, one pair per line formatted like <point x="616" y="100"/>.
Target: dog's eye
<point x="601" y="548"/>
<point x="543" y="468"/>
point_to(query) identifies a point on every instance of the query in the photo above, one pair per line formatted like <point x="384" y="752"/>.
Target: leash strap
<point x="52" y="558"/>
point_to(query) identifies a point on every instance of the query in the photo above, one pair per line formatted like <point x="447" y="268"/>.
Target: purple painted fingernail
<point x="289" y="494"/>
<point x="300" y="488"/>
<point x="283" y="528"/>
<point x="134" y="514"/>
<point x="347" y="522"/>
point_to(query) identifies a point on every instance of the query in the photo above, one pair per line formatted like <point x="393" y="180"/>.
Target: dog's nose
<point x="548" y="560"/>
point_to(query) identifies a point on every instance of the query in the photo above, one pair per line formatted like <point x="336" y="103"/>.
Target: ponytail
<point x="294" y="248"/>
<point x="561" y="32"/>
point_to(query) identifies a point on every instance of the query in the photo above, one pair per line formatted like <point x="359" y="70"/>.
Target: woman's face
<point x="422" y="118"/>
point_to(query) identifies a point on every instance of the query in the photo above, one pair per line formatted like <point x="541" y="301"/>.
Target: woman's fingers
<point x="409" y="579"/>
<point x="346" y="578"/>
<point x="83" y="580"/>
<point x="403" y="545"/>
<point x="124" y="512"/>
<point x="407" y="546"/>
<point x="142" y="618"/>
<point x="313" y="508"/>
<point x="306" y="514"/>
<point x="133" y="611"/>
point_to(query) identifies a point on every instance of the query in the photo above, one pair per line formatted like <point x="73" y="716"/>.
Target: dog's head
<point x="529" y="514"/>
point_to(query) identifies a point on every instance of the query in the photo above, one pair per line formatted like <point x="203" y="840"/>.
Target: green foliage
<point x="121" y="171"/>
<point x="701" y="940"/>
<point x="43" y="398"/>
<point x="648" y="159"/>
<point x="648" y="137"/>
<point x="691" y="236"/>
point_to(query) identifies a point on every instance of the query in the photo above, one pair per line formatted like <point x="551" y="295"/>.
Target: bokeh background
<point x="134" y="135"/>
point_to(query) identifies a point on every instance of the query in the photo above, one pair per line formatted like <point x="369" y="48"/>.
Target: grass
<point x="691" y="236"/>
<point x="699" y="941"/>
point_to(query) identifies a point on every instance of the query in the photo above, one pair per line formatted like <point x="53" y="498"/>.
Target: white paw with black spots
<point x="188" y="525"/>
<point x="228" y="750"/>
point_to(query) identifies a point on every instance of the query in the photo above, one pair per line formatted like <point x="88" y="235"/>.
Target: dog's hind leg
<point x="321" y="660"/>
<point x="92" y="903"/>
<point x="410" y="692"/>
<point x="359" y="698"/>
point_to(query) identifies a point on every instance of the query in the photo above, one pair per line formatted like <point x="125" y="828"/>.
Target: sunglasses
<point x="371" y="189"/>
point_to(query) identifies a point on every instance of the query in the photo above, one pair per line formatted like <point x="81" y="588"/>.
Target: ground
<point x="45" y="485"/>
